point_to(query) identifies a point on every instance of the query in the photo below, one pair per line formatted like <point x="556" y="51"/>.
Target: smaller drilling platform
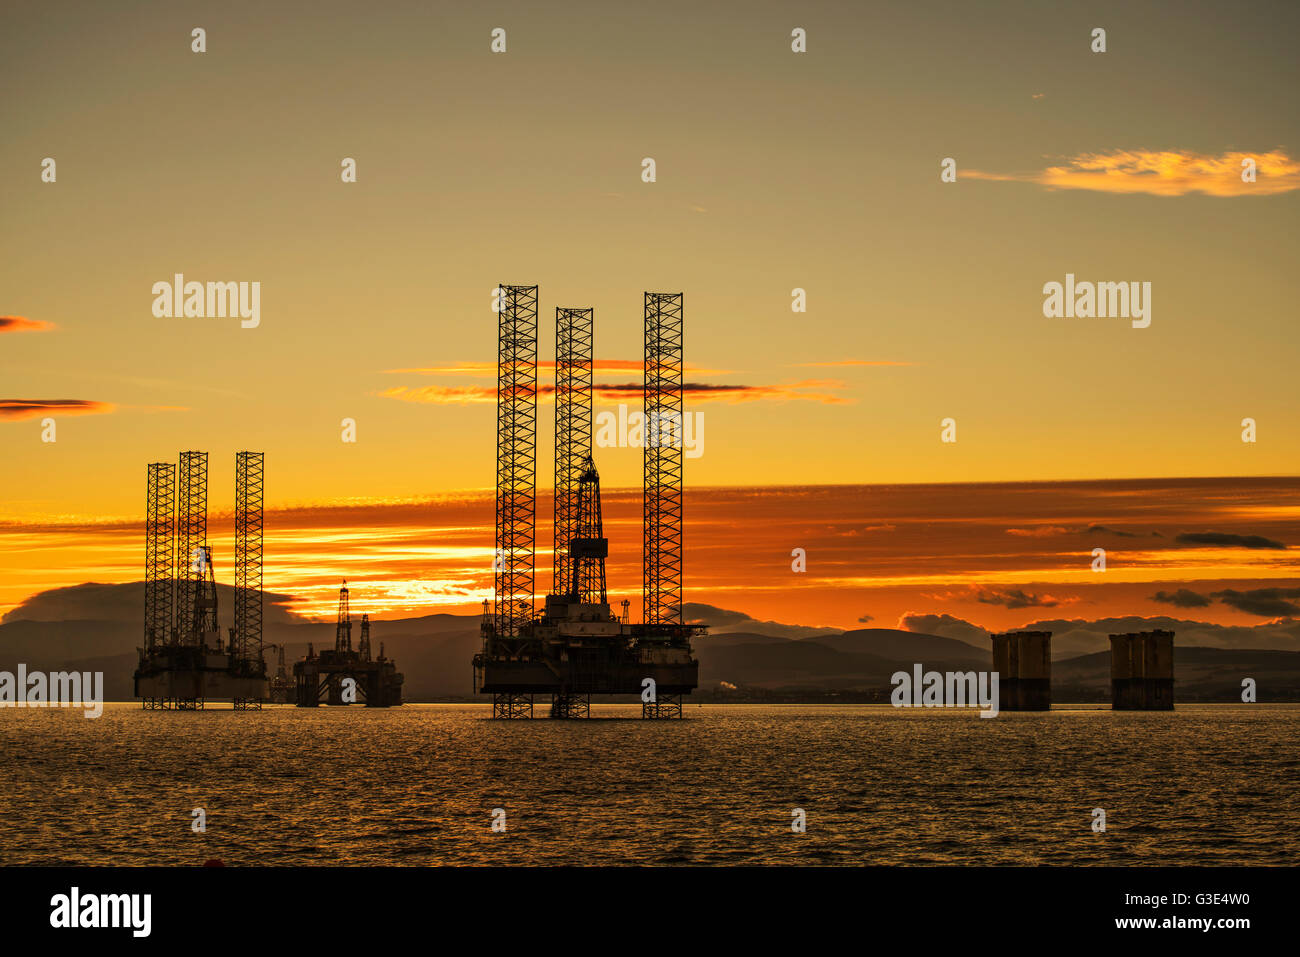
<point x="576" y="646"/>
<point x="184" y="661"/>
<point x="345" y="675"/>
<point x="282" y="689"/>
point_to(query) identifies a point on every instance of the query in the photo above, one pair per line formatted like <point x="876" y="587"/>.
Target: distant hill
<point x="861" y="660"/>
<point x="733" y="638"/>
<point x="1200" y="674"/>
<point x="753" y="658"/>
<point x="59" y="640"/>
<point x="725" y="621"/>
<point x="896" y="645"/>
<point x="786" y="663"/>
<point x="434" y="656"/>
<point x="95" y="601"/>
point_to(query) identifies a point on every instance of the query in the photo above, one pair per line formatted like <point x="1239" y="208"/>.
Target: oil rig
<point x="344" y="675"/>
<point x="282" y="689"/>
<point x="576" y="646"/>
<point x="184" y="661"/>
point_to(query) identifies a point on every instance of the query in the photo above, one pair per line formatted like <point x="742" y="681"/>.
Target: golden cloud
<point x="812" y="390"/>
<point x="1163" y="173"/>
<point x="486" y="369"/>
<point x="23" y="324"/>
<point x="33" y="408"/>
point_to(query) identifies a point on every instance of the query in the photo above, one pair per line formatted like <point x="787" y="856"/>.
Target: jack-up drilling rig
<point x="183" y="661"/>
<point x="577" y="647"/>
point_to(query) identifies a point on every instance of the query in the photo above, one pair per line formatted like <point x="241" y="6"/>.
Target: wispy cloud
<point x="1228" y="539"/>
<point x="33" y="408"/>
<point x="1265" y="602"/>
<point x="23" y="324"/>
<point x="1006" y="597"/>
<point x="450" y="394"/>
<point x="489" y="369"/>
<point x="1183" y="598"/>
<point x="810" y="390"/>
<point x="1163" y="173"/>
<point x="1103" y="530"/>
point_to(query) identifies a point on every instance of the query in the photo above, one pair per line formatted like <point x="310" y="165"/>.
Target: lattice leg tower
<point x="574" y="351"/>
<point x="516" y="516"/>
<point x="181" y="704"/>
<point x="511" y="705"/>
<point x="570" y="705"/>
<point x="249" y="487"/>
<point x="191" y="542"/>
<point x="664" y="706"/>
<point x="664" y="440"/>
<point x="160" y="523"/>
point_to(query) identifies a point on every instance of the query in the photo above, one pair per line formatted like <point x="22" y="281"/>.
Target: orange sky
<point x="995" y="554"/>
<point x="776" y="171"/>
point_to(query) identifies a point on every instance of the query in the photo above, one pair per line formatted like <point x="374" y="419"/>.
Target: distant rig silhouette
<point x="576" y="646"/>
<point x="183" y="660"/>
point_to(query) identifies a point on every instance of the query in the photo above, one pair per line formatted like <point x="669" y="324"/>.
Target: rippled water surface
<point x="417" y="785"/>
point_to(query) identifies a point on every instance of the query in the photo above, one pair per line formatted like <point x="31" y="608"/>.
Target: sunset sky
<point x="775" y="170"/>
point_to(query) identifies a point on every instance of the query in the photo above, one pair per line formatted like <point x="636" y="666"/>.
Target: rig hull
<point x="548" y="676"/>
<point x="187" y="673"/>
<point x="320" y="679"/>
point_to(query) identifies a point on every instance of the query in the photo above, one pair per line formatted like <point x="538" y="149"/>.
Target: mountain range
<point x="97" y="627"/>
